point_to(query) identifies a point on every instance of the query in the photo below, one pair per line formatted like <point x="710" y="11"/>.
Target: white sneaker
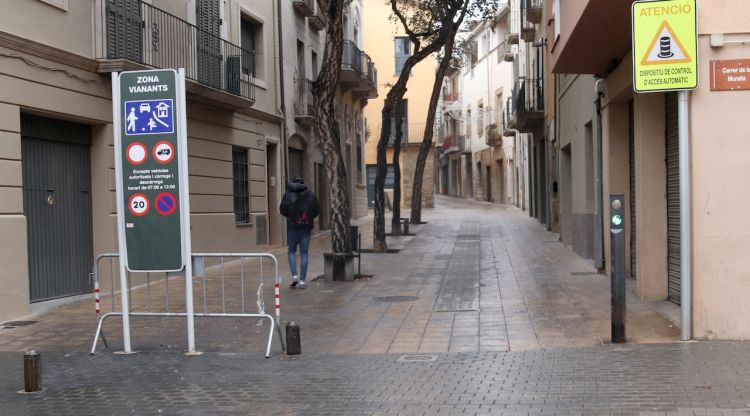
<point x="295" y="280"/>
<point x="301" y="285"/>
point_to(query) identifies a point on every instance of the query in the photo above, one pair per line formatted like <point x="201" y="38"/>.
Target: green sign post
<point x="150" y="174"/>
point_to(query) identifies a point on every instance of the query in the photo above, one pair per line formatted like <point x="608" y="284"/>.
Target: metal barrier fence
<point x="222" y="292"/>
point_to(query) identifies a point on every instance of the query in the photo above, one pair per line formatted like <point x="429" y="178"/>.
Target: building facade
<point x="304" y="45"/>
<point x="640" y="157"/>
<point x="57" y="176"/>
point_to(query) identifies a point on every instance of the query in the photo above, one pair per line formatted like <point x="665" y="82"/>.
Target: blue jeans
<point x="299" y="237"/>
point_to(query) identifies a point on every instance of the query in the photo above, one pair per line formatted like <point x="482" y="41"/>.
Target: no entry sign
<point x="149" y="174"/>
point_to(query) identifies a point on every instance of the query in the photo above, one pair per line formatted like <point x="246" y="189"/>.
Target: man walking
<point x="300" y="207"/>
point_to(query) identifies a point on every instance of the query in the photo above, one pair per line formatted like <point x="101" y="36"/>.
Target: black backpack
<point x="301" y="210"/>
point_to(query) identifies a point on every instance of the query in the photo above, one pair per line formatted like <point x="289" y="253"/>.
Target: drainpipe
<point x="281" y="99"/>
<point x="281" y="96"/>
<point x="599" y="229"/>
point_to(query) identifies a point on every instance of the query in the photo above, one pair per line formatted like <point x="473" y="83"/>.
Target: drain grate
<point x="397" y="298"/>
<point x="417" y="358"/>
<point x="584" y="274"/>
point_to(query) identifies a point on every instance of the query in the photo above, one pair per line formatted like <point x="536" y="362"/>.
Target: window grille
<point x="241" y="185"/>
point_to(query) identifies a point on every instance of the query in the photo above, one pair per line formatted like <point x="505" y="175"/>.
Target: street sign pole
<point x="665" y="58"/>
<point x="119" y="195"/>
<point x="185" y="212"/>
<point x="686" y="264"/>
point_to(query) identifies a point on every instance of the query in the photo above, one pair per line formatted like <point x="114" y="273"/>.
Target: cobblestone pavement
<point x="477" y="277"/>
<point x="482" y="312"/>
<point x="707" y="378"/>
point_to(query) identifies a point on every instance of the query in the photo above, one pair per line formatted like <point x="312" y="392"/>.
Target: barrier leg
<point x="99" y="331"/>
<point x="270" y="336"/>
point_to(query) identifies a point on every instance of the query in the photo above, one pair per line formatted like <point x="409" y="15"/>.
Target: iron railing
<point x="464" y="144"/>
<point x="351" y="58"/>
<point x="509" y="116"/>
<point x="409" y="132"/>
<point x="305" y="7"/>
<point x="372" y="72"/>
<point x="147" y="35"/>
<point x="529" y="96"/>
<point x="304" y="104"/>
<point x="450" y="143"/>
<point x="532" y="10"/>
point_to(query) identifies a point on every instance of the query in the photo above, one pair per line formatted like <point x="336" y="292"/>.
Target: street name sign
<point x="730" y="75"/>
<point x="665" y="46"/>
<point x="149" y="174"/>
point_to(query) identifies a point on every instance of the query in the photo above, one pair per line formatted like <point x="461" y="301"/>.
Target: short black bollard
<point x="293" y="342"/>
<point x="32" y="371"/>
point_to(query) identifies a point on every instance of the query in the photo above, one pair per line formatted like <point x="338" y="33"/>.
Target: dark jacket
<point x="299" y="206"/>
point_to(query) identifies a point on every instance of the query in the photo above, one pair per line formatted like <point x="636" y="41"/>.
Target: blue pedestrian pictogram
<point x="165" y="203"/>
<point x="149" y="117"/>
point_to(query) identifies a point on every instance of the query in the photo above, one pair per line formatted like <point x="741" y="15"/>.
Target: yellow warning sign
<point x="664" y="45"/>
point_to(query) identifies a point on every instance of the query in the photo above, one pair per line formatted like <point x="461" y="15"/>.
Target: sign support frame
<point x="120" y="197"/>
<point x="185" y="211"/>
<point x="686" y="249"/>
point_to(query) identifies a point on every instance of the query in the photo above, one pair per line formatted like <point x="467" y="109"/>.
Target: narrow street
<point x="476" y="277"/>
<point x="481" y="312"/>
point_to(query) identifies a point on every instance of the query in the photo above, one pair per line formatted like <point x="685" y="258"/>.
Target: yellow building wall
<point x="379" y="35"/>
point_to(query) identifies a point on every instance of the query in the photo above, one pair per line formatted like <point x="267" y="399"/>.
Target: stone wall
<point x="409" y="153"/>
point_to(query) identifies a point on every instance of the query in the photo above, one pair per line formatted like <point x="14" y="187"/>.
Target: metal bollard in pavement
<point x="32" y="371"/>
<point x="293" y="342"/>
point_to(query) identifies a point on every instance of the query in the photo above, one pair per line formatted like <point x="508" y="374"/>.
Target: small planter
<point x="338" y="266"/>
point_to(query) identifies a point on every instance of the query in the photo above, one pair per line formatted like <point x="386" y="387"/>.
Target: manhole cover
<point x="397" y="298"/>
<point x="417" y="358"/>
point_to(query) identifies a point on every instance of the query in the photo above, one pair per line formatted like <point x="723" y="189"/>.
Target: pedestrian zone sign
<point x="665" y="53"/>
<point x="149" y="117"/>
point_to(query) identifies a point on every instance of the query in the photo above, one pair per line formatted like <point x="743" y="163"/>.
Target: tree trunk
<point x="396" y="219"/>
<point x="324" y="90"/>
<point x="424" y="148"/>
<point x="395" y="95"/>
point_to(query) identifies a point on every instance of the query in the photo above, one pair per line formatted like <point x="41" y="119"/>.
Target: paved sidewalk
<point x="475" y="278"/>
<point x="703" y="379"/>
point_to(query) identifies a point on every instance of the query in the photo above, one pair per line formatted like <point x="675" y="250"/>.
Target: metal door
<point x="673" y="197"/>
<point x="631" y="147"/>
<point x="56" y="169"/>
<point x="372" y="172"/>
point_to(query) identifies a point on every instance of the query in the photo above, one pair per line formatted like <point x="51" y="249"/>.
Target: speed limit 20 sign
<point x="149" y="173"/>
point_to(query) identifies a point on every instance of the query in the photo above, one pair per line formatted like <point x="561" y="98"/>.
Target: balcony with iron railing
<point x="509" y="53"/>
<point x="529" y="104"/>
<point x="317" y="20"/>
<point x="527" y="28"/>
<point x="450" y="143"/>
<point x="136" y="35"/>
<point x="493" y="136"/>
<point x="509" y="119"/>
<point x="305" y="7"/>
<point x="358" y="72"/>
<point x="410" y="132"/>
<point x="514" y="18"/>
<point x="533" y="9"/>
<point x="304" y="103"/>
<point x="464" y="144"/>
